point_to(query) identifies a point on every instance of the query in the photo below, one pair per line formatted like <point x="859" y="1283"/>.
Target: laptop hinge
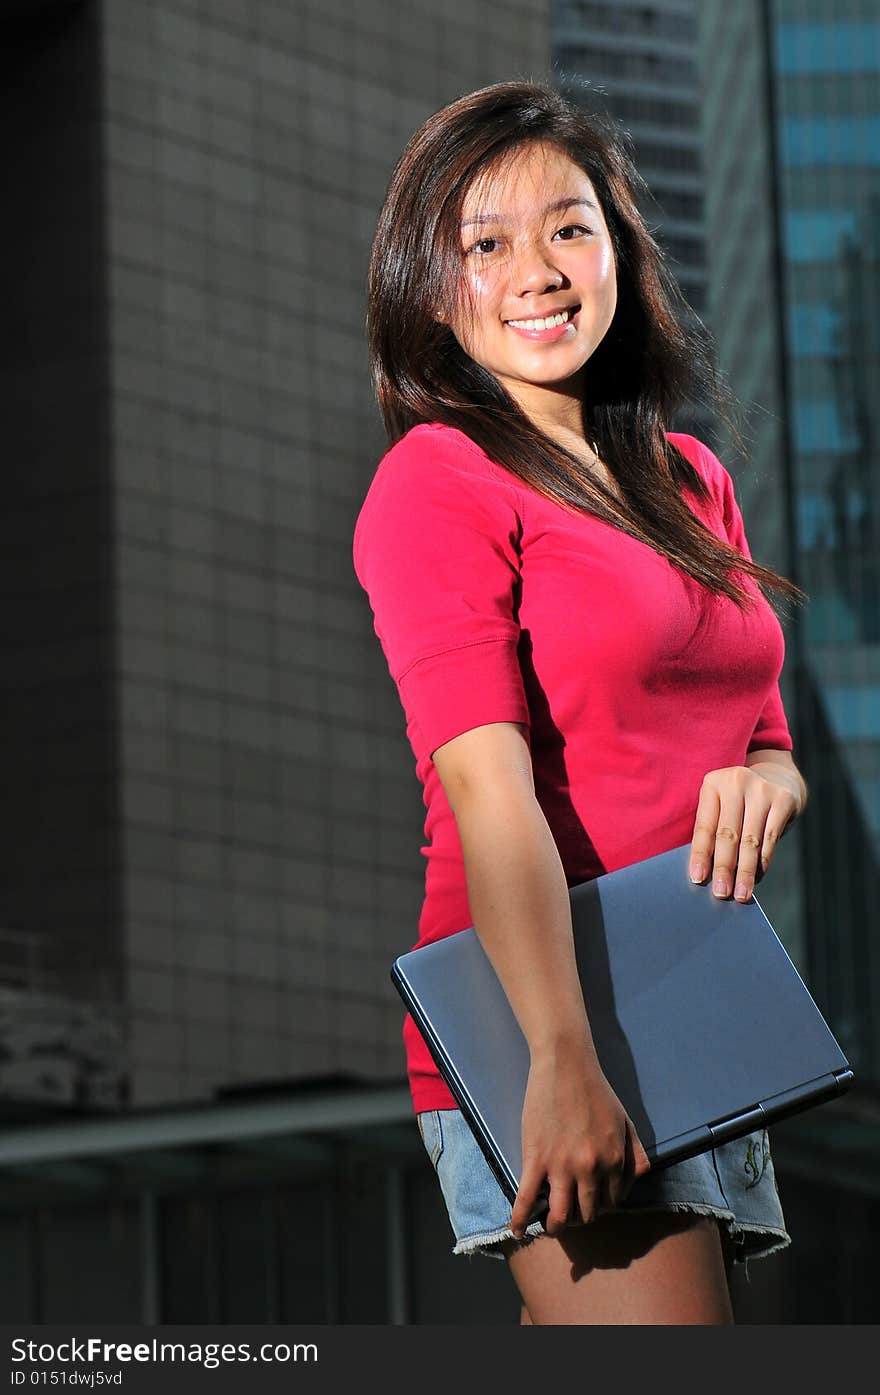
<point x="805" y="1096"/>
<point x="734" y="1125"/>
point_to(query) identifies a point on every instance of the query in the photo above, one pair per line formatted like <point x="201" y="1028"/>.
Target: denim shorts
<point x="735" y="1182"/>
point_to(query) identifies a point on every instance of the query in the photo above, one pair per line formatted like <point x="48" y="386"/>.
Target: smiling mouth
<point x="547" y="322"/>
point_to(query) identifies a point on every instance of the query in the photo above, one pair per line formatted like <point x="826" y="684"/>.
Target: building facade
<point x="791" y="116"/>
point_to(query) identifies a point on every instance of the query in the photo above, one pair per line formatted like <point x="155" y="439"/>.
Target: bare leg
<point x="666" y="1267"/>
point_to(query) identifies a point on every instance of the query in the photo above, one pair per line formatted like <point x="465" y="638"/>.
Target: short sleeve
<point x="771" y="730"/>
<point x="436" y="549"/>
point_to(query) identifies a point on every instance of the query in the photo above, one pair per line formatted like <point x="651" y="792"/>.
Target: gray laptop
<point x="703" y="1026"/>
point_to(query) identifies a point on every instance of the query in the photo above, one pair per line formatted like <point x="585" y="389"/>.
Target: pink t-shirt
<point x="493" y="604"/>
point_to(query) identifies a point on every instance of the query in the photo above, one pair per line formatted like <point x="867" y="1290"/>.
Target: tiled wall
<point x="272" y="816"/>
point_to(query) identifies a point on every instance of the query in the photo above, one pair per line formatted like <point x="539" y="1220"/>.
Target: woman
<point x="586" y="681"/>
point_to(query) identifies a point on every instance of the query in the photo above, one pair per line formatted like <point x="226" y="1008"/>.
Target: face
<point x="534" y="243"/>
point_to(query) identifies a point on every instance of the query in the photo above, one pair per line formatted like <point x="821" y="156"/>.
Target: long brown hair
<point x="646" y="365"/>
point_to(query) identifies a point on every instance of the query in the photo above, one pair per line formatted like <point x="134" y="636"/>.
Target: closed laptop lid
<point x="702" y="1024"/>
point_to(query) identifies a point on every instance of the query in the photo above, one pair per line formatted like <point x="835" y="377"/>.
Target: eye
<point x="573" y="228"/>
<point x="480" y="246"/>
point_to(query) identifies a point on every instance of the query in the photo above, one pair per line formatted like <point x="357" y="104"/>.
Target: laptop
<point x="702" y="1024"/>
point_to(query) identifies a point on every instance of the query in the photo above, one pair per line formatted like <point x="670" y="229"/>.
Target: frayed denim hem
<point x="487" y="1243"/>
<point x="742" y="1256"/>
<point x="471" y="1245"/>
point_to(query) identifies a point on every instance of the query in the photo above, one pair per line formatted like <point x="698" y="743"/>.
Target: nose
<point x="536" y="272"/>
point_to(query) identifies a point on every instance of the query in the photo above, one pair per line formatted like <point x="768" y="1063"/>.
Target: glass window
<point x="818" y="426"/>
<point x="841" y="47"/>
<point x="815" y="330"/>
<point x="817" y="234"/>
<point x="831" y="140"/>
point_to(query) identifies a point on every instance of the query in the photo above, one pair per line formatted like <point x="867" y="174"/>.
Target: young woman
<point x="565" y="596"/>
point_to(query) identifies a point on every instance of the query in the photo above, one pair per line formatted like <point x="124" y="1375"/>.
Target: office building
<point x="791" y="116"/>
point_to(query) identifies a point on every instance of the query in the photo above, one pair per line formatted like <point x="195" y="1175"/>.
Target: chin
<point x="546" y="373"/>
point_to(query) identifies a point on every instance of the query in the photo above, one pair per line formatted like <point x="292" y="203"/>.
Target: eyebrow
<point x="555" y="207"/>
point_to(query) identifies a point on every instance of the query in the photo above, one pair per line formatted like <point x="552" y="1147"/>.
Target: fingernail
<point x="719" y="886"/>
<point x="698" y="872"/>
<point x="742" y="891"/>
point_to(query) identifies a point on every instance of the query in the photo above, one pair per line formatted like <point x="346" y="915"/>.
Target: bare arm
<point x="516" y="883"/>
<point x="574" y="1127"/>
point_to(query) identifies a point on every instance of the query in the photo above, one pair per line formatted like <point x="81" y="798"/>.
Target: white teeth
<point x="560" y="319"/>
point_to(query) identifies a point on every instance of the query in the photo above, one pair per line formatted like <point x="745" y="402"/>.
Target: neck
<point x="556" y="409"/>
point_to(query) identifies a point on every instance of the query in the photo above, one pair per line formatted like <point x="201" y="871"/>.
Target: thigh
<point x="660" y="1267"/>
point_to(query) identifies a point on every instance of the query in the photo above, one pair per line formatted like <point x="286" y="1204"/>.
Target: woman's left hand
<point x="742" y="813"/>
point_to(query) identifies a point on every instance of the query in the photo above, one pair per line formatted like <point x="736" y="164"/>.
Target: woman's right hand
<point x="577" y="1135"/>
